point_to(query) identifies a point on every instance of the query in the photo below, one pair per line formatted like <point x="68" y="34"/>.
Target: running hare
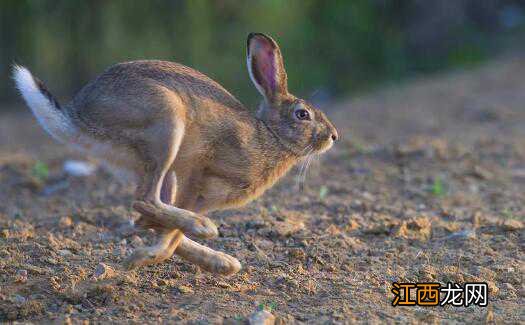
<point x="193" y="145"/>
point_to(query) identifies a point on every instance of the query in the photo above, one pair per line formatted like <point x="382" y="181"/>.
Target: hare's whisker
<point x="311" y="156"/>
<point x="306" y="165"/>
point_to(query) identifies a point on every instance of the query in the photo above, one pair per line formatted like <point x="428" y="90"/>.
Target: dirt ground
<point x="427" y="185"/>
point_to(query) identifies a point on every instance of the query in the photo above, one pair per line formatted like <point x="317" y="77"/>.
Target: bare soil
<point x="427" y="185"/>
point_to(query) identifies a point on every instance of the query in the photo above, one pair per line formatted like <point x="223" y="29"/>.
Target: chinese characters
<point x="433" y="294"/>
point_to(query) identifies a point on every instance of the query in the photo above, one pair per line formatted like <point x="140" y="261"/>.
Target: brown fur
<point x="193" y="145"/>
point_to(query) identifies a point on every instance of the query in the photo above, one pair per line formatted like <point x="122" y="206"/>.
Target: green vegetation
<point x="330" y="47"/>
<point x="507" y="213"/>
<point x="40" y="171"/>
<point x="437" y="187"/>
<point x="323" y="192"/>
<point x="269" y="306"/>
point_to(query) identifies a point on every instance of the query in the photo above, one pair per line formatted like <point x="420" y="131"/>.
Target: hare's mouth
<point x="325" y="145"/>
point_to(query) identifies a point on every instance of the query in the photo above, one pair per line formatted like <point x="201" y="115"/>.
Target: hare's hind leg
<point x="172" y="241"/>
<point x="158" y="253"/>
<point x="169" y="238"/>
<point x="158" y="149"/>
<point x="207" y="258"/>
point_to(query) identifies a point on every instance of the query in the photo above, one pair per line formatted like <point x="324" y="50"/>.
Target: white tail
<point x="45" y="108"/>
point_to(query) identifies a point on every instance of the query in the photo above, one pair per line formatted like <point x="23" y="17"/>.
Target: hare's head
<point x="300" y="126"/>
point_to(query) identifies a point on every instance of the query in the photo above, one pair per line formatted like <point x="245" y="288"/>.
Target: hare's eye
<point x="302" y="114"/>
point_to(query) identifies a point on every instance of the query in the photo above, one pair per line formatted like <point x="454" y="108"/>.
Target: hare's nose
<point x="335" y="136"/>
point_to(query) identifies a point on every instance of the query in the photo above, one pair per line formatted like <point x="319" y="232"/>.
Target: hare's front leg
<point x="157" y="148"/>
<point x="169" y="238"/>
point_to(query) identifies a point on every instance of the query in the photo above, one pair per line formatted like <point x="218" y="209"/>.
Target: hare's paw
<point x="145" y="256"/>
<point x="223" y="264"/>
<point x="203" y="227"/>
<point x="175" y="218"/>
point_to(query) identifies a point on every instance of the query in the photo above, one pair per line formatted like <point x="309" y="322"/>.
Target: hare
<point x="192" y="145"/>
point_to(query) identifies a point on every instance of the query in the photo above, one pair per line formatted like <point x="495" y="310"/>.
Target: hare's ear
<point x="266" y="67"/>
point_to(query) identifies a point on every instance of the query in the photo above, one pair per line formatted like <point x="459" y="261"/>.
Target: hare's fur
<point x="193" y="146"/>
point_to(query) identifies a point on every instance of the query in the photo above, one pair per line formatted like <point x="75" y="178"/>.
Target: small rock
<point x="184" y="289"/>
<point x="21" y="276"/>
<point x="36" y="269"/>
<point x="65" y="222"/>
<point x="464" y="234"/>
<point x="136" y="241"/>
<point x="297" y="254"/>
<point x="64" y="252"/>
<point x="508" y="286"/>
<point x="103" y="271"/>
<point x="482" y="173"/>
<point x="415" y="228"/>
<point x="333" y="230"/>
<point x="352" y="225"/>
<point x="51" y="261"/>
<point x="223" y="284"/>
<point x="512" y="225"/>
<point x="79" y="168"/>
<point x="285" y="319"/>
<point x="18" y="299"/>
<point x="288" y="223"/>
<point x="261" y="317"/>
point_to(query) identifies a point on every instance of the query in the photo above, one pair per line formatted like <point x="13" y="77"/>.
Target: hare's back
<point x="138" y="77"/>
<point x="136" y="92"/>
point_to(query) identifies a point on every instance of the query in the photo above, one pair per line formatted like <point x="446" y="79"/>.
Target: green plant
<point x="40" y="170"/>
<point x="323" y="191"/>
<point x="507" y="213"/>
<point x="269" y="306"/>
<point x="437" y="187"/>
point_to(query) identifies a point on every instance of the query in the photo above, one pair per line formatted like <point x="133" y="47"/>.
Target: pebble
<point x="184" y="289"/>
<point x="223" y="284"/>
<point x="136" y="241"/>
<point x="18" y="299"/>
<point x="51" y="261"/>
<point x="65" y="222"/>
<point x="21" y="276"/>
<point x="261" y="317"/>
<point x="103" y="271"/>
<point x="64" y="252"/>
<point x="464" y="234"/>
<point x="79" y="168"/>
<point x="512" y="225"/>
<point x="508" y="286"/>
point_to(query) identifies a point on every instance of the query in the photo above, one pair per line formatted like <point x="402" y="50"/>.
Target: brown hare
<point x="192" y="145"/>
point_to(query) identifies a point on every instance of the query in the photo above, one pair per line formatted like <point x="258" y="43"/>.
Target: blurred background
<point x="331" y="48"/>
